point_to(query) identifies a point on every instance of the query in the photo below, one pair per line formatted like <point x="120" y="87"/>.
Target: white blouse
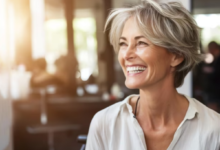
<point x="115" y="128"/>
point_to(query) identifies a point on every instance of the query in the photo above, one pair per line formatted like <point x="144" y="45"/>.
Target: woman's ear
<point x="176" y="60"/>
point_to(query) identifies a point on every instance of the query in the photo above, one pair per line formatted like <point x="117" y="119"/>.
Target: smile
<point x="135" y="69"/>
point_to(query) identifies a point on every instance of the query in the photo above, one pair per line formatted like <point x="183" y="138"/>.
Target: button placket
<point x="140" y="133"/>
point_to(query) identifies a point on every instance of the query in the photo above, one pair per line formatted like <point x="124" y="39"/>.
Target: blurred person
<point x="40" y="76"/>
<point x="157" y="45"/>
<point x="214" y="49"/>
<point x="66" y="68"/>
<point x="211" y="79"/>
<point x="62" y="70"/>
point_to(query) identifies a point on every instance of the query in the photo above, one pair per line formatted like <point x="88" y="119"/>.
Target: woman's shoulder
<point x="97" y="130"/>
<point x="206" y="112"/>
<point x="111" y="112"/>
<point x="208" y="125"/>
<point x="207" y="117"/>
<point x="104" y="119"/>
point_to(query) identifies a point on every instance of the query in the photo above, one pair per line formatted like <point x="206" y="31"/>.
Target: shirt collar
<point x="190" y="114"/>
<point x="192" y="109"/>
<point x="126" y="102"/>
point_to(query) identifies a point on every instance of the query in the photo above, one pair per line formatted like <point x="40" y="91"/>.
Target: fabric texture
<point x="115" y="128"/>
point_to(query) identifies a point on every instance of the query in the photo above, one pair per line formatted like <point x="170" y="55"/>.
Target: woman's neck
<point x="161" y="105"/>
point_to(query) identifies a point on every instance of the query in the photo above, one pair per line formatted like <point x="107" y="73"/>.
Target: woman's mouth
<point x="135" y="70"/>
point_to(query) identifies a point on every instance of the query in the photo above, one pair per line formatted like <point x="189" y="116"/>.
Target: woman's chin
<point x="132" y="85"/>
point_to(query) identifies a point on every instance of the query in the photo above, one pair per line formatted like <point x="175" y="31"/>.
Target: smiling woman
<point x="157" y="45"/>
<point x="155" y="60"/>
<point x="168" y="26"/>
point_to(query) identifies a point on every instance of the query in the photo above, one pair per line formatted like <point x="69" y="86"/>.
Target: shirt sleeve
<point x="95" y="138"/>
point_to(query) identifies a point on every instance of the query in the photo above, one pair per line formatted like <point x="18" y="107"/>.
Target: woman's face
<point x="143" y="63"/>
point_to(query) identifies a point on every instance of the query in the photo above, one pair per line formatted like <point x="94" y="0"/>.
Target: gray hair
<point x="168" y="25"/>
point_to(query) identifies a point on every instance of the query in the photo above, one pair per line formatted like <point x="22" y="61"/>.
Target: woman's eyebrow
<point x="123" y="38"/>
<point x="136" y="38"/>
<point x="139" y="37"/>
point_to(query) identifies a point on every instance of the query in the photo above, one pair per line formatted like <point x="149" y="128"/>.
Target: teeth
<point x="136" y="69"/>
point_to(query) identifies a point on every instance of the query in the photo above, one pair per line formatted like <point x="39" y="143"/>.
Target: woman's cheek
<point x="141" y="49"/>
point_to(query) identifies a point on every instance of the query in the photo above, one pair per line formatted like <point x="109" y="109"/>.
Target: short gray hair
<point x="168" y="25"/>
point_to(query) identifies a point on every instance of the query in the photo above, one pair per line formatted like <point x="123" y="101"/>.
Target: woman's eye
<point x="142" y="43"/>
<point x="122" y="44"/>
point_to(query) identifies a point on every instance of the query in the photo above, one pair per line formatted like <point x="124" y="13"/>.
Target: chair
<point x="46" y="127"/>
<point x="82" y="139"/>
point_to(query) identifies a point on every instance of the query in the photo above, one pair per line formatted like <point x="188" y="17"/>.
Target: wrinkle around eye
<point x="142" y="43"/>
<point x="122" y="45"/>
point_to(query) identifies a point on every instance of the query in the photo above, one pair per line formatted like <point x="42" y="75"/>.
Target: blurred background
<point x="57" y="68"/>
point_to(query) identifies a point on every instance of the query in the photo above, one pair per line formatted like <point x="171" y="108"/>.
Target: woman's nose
<point x="129" y="53"/>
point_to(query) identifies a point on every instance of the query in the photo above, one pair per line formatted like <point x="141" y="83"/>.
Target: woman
<point x="157" y="45"/>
